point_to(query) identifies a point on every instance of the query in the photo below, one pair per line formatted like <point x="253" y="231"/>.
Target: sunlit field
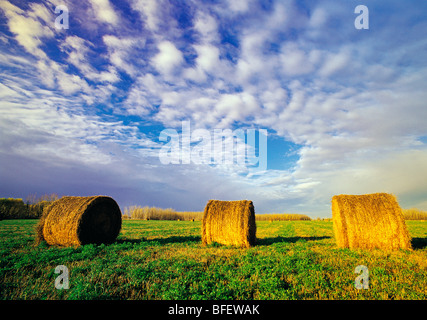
<point x="165" y="260"/>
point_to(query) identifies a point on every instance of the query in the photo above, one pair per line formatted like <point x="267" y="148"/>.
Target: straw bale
<point x="229" y="223"/>
<point x="74" y="221"/>
<point x="369" y="221"/>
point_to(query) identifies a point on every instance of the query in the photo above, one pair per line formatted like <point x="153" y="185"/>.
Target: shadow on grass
<point x="177" y="239"/>
<point x="259" y="241"/>
<point x="419" y="243"/>
<point x="167" y="240"/>
<point x="270" y="241"/>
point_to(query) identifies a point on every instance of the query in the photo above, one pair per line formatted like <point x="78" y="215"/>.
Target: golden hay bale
<point x="229" y="223"/>
<point x="74" y="221"/>
<point x="369" y="221"/>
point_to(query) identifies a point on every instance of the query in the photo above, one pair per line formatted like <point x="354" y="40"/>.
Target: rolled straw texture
<point x="369" y="221"/>
<point x="74" y="221"/>
<point x="229" y="223"/>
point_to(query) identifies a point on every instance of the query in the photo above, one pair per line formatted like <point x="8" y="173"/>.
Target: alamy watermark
<point x="362" y="20"/>
<point x="362" y="281"/>
<point x="218" y="147"/>
<point x="61" y="282"/>
<point x="62" y="20"/>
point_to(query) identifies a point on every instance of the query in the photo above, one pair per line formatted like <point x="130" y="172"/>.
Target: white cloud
<point x="207" y="62"/>
<point x="273" y="99"/>
<point x="7" y="93"/>
<point x="335" y="62"/>
<point x="285" y="16"/>
<point x="15" y="61"/>
<point x="207" y="27"/>
<point x="148" y="9"/>
<point x="145" y="93"/>
<point x="318" y="18"/>
<point x="295" y="61"/>
<point x="70" y="84"/>
<point x="121" y="50"/>
<point x="105" y="12"/>
<point x="207" y="57"/>
<point x="78" y="50"/>
<point x="54" y="130"/>
<point x="29" y="31"/>
<point x="27" y="28"/>
<point x="238" y="6"/>
<point x="194" y="74"/>
<point x="253" y="64"/>
<point x="235" y="107"/>
<point x="168" y="58"/>
<point x="170" y="116"/>
<point x="40" y="12"/>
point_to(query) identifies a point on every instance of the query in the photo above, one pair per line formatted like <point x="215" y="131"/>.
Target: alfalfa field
<point x="166" y="260"/>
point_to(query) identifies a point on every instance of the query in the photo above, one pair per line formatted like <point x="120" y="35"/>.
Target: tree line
<point x="31" y="208"/>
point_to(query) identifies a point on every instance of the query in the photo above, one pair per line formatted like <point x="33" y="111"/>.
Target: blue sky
<point x="81" y="109"/>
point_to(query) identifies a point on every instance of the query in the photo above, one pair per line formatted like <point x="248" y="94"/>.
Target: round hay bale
<point x="369" y="221"/>
<point x="229" y="223"/>
<point x="75" y="221"/>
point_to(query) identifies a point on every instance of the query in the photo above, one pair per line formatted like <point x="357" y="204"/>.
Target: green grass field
<point x="166" y="260"/>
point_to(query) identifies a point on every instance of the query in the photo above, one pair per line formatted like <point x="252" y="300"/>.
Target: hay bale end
<point x="75" y="221"/>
